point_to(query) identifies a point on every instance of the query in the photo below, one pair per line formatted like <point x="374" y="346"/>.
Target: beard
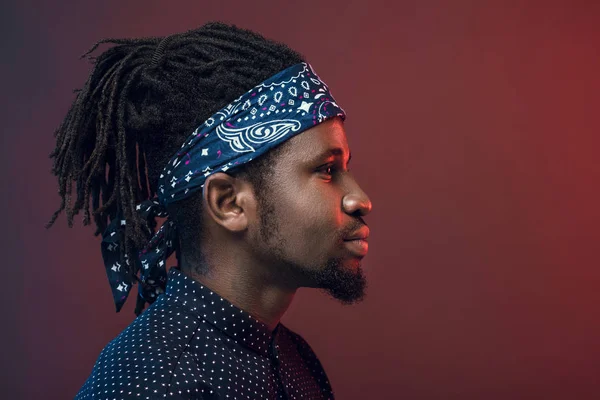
<point x="343" y="284"/>
<point x="348" y="285"/>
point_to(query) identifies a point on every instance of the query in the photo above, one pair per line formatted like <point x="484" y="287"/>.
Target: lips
<point x="358" y="247"/>
<point x="357" y="242"/>
<point x="361" y="234"/>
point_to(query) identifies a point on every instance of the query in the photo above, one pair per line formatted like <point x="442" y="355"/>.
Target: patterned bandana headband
<point x="272" y="112"/>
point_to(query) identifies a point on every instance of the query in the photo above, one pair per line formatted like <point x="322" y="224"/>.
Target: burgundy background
<point x="474" y="129"/>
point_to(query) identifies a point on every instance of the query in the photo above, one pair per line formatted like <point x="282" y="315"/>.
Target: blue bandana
<point x="286" y="104"/>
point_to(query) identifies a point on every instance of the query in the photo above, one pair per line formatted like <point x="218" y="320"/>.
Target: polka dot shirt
<point x="193" y="344"/>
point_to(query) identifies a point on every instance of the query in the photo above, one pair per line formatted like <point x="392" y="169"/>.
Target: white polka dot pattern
<point x="193" y="344"/>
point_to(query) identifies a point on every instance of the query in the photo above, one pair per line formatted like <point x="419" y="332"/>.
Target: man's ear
<point x="228" y="201"/>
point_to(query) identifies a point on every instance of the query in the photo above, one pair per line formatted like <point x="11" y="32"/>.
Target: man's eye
<point x="331" y="170"/>
<point x="327" y="170"/>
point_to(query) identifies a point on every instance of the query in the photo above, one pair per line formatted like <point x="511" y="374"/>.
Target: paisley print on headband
<point x="243" y="139"/>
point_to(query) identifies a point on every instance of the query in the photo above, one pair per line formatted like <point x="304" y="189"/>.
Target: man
<point x="240" y="145"/>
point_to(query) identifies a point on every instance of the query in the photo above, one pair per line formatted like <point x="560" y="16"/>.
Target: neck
<point x="244" y="285"/>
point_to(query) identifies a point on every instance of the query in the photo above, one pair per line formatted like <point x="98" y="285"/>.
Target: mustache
<point x="357" y="224"/>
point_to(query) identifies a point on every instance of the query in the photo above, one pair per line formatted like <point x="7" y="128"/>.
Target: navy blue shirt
<point x="193" y="344"/>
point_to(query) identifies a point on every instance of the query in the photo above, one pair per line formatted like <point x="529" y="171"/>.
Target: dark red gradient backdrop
<point x="474" y="128"/>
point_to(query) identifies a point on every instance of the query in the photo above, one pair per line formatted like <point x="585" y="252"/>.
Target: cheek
<point x="311" y="216"/>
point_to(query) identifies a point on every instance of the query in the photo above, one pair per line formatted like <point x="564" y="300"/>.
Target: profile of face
<point x="310" y="230"/>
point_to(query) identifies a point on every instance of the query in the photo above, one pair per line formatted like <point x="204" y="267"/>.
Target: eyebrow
<point x="337" y="152"/>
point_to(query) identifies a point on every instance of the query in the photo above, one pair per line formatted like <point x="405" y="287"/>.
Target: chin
<point x="343" y="280"/>
<point x="353" y="264"/>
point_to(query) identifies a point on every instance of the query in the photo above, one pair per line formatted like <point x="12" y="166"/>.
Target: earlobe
<point x="225" y="200"/>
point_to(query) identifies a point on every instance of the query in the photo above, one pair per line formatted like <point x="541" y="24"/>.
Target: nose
<point x="357" y="202"/>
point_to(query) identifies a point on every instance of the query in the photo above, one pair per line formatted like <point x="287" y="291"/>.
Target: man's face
<point x="311" y="207"/>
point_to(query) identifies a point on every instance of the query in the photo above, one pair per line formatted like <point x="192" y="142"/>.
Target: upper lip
<point x="362" y="234"/>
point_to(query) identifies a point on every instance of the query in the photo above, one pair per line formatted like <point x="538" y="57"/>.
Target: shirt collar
<point x="229" y="319"/>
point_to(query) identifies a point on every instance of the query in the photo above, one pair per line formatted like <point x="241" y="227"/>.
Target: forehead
<point x="317" y="140"/>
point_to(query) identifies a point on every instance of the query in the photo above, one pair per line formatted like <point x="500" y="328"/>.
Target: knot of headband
<point x="272" y="112"/>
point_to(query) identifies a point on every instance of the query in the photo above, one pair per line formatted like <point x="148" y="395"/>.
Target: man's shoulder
<point x="145" y="354"/>
<point x="165" y="324"/>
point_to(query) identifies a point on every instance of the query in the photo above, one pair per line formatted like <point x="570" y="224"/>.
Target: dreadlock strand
<point x="121" y="41"/>
<point x="98" y="154"/>
<point x="97" y="151"/>
<point x="96" y="190"/>
<point x="109" y="197"/>
<point x="99" y="219"/>
<point x="69" y="208"/>
<point x="114" y="65"/>
<point x="56" y="213"/>
<point x="133" y="235"/>
<point x="142" y="171"/>
<point x="132" y="168"/>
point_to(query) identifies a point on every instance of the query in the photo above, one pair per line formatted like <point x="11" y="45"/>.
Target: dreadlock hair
<point x="143" y="98"/>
